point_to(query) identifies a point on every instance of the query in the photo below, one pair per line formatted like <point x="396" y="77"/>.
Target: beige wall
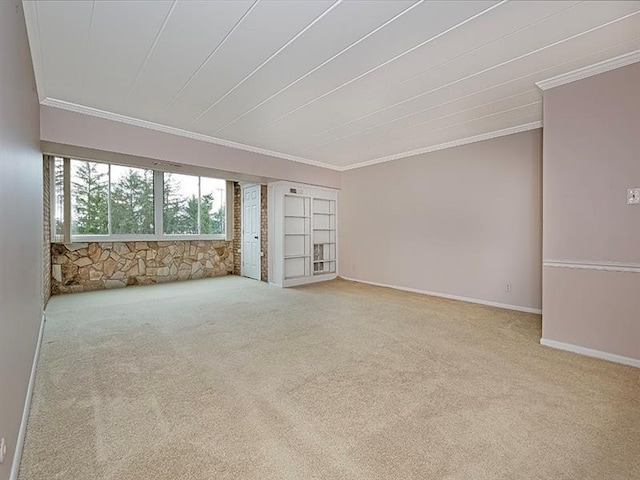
<point x="463" y="221"/>
<point x="592" y="309"/>
<point x="21" y="232"/>
<point x="591" y="157"/>
<point x="79" y="130"/>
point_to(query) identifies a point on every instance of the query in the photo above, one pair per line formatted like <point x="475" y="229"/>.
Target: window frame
<point x="158" y="208"/>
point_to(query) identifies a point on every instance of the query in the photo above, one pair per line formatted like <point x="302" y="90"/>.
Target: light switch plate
<point x="633" y="196"/>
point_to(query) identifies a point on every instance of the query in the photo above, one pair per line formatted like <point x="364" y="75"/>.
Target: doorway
<point x="250" y="250"/>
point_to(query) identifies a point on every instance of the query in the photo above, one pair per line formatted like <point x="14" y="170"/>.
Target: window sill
<point x="143" y="238"/>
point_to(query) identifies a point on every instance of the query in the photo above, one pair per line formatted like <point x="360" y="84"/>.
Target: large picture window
<point x="108" y="201"/>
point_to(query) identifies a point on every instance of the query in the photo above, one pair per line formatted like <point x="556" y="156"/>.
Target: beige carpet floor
<point x="230" y="378"/>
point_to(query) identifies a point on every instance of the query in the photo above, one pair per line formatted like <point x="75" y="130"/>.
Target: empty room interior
<point x="319" y="239"/>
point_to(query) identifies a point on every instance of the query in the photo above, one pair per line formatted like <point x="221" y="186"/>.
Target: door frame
<point x="242" y="220"/>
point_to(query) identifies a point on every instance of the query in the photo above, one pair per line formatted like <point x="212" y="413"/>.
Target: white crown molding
<point x="94" y="112"/>
<point x="116" y="117"/>
<point x="589" y="71"/>
<point x="600" y="266"/>
<point x="506" y="306"/>
<point x="589" y="352"/>
<point x="17" y="454"/>
<point x="455" y="143"/>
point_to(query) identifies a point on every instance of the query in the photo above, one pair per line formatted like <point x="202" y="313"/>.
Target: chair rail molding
<point x="587" y="265"/>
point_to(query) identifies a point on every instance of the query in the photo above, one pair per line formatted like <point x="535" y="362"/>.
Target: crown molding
<point x="455" y="143"/>
<point x="136" y="122"/>
<point x="589" y="71"/>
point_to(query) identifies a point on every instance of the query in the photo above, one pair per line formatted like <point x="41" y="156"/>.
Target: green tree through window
<point x="112" y="199"/>
<point x="89" y="191"/>
<point x="131" y="201"/>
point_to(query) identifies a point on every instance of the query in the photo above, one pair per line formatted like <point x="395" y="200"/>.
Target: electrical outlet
<point x="3" y="450"/>
<point x="507" y="288"/>
<point x="633" y="196"/>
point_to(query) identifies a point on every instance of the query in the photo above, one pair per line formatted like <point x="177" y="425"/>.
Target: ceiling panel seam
<point x="430" y="69"/>
<point x="42" y="62"/>
<point x="150" y="52"/>
<point x="470" y="120"/>
<point x="471" y="93"/>
<point x="476" y="92"/>
<point x="209" y="57"/>
<point x="457" y="112"/>
<point x="137" y="122"/>
<point x="454" y="143"/>
<point x="372" y="32"/>
<point x="431" y="39"/>
<point x="94" y="112"/>
<point x="520" y="57"/>
<point x="255" y="70"/>
<point x="86" y="51"/>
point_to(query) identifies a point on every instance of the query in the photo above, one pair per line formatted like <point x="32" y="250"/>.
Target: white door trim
<point x="242" y="219"/>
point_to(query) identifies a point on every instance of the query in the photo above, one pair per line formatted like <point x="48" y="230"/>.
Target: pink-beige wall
<point x="21" y="227"/>
<point x="80" y="130"/>
<point x="463" y="221"/>
<point x="591" y="158"/>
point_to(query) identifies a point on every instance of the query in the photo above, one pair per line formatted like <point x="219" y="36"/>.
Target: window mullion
<point x="199" y="202"/>
<point x="109" y="203"/>
<point x="66" y="180"/>
<point x="158" y="202"/>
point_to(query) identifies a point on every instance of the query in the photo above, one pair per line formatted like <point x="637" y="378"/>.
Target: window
<point x="131" y="201"/>
<point x="117" y="202"/>
<point x="193" y="205"/>
<point x="89" y="198"/>
<point x="213" y="211"/>
<point x="181" y="200"/>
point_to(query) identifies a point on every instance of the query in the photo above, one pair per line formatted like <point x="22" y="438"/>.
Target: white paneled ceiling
<point x="337" y="83"/>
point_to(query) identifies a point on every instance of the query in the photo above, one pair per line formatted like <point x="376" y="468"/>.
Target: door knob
<point x="255" y="236"/>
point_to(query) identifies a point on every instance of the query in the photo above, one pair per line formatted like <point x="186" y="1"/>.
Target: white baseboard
<point x="15" y="466"/>
<point x="450" y="297"/>
<point x="589" y="352"/>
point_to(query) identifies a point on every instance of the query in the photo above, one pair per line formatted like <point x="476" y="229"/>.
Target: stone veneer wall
<point x="46" y="238"/>
<point x="80" y="267"/>
<point x="237" y="228"/>
<point x="264" y="238"/>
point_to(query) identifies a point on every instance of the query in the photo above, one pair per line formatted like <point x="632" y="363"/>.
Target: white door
<point x="251" y="231"/>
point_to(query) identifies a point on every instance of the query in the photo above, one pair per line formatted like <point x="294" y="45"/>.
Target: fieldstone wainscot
<point x="82" y="267"/>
